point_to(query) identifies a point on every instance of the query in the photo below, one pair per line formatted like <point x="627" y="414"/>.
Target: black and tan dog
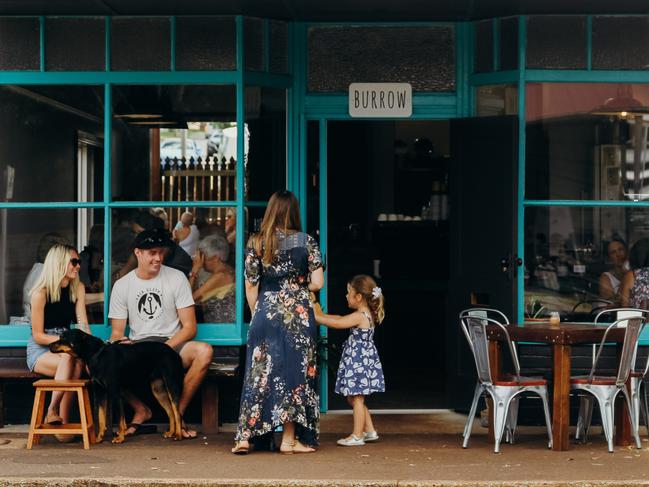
<point x="117" y="370"/>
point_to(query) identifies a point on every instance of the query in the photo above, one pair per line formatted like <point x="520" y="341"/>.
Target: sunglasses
<point x="75" y="262"/>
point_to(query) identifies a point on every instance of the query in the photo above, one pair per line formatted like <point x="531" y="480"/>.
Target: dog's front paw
<point x="168" y="434"/>
<point x="117" y="440"/>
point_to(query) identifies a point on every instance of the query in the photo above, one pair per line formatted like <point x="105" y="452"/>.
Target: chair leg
<point x="471" y="418"/>
<point x="83" y="418"/>
<point x="634" y="384"/>
<point x="633" y="417"/>
<point x="501" y="408"/>
<point x="585" y="418"/>
<point x="546" y="411"/>
<point x="37" y="418"/>
<point x="607" y="409"/>
<point x="512" y="421"/>
<point x="89" y="419"/>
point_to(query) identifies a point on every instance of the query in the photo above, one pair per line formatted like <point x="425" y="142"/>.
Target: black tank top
<point x="61" y="313"/>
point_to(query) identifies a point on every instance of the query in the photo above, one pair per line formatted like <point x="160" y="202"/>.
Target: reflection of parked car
<point x="170" y="148"/>
<point x="214" y="142"/>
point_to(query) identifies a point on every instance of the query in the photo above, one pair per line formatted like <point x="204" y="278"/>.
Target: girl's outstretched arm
<point x="340" y="322"/>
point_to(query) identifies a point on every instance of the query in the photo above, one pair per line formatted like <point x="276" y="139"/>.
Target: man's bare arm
<point x="188" y="327"/>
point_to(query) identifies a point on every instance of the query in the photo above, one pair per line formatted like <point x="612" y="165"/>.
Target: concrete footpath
<point x="414" y="450"/>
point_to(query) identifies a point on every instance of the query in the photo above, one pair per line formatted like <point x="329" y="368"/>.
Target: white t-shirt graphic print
<point x="150" y="305"/>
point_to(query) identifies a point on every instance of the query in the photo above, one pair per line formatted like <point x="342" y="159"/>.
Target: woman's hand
<point x="197" y="261"/>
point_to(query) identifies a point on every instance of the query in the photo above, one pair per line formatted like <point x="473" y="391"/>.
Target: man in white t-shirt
<point x="156" y="300"/>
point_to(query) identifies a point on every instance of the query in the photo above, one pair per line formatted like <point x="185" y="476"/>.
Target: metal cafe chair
<point x="483" y="312"/>
<point x="637" y="387"/>
<point x="606" y="388"/>
<point x="503" y="391"/>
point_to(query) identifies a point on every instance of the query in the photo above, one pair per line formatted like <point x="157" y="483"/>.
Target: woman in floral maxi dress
<point x="282" y="265"/>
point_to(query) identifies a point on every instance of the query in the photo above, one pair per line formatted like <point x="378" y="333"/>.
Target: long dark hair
<point x="282" y="213"/>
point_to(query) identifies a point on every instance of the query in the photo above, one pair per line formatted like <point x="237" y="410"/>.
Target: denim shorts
<point x="34" y="350"/>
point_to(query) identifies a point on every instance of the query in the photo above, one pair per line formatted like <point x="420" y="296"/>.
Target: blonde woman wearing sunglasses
<point x="57" y="301"/>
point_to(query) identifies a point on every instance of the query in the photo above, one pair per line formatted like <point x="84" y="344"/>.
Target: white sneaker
<point x="351" y="441"/>
<point x="370" y="436"/>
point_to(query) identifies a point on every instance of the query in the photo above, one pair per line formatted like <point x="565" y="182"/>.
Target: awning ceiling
<point x="329" y="10"/>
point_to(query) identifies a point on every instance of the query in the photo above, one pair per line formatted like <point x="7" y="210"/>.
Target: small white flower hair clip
<point x="376" y="292"/>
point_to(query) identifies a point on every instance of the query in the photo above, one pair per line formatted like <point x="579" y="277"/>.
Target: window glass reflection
<point x="174" y="143"/>
<point x="51" y="148"/>
<point x="29" y="236"/>
<point x="576" y="258"/>
<point x="587" y="141"/>
<point x="266" y="137"/>
<point x="203" y="250"/>
<point x="496" y="100"/>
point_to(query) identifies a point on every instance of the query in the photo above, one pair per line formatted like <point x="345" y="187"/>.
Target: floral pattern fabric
<point x="279" y="383"/>
<point x="360" y="372"/>
<point x="640" y="289"/>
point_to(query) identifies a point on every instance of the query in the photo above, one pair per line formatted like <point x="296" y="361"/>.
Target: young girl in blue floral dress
<point x="360" y="372"/>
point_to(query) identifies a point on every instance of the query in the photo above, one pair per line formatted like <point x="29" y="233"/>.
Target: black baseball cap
<point x="151" y="239"/>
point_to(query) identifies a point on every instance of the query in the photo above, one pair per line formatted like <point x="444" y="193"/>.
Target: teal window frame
<point x="215" y="334"/>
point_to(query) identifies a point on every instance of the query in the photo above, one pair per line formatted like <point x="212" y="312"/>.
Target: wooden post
<point x="210" y="406"/>
<point x="155" y="181"/>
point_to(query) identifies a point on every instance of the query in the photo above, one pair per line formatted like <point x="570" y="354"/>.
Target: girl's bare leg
<point x="369" y="425"/>
<point x="358" y="403"/>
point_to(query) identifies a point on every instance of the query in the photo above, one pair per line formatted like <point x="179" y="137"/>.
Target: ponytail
<point x="373" y="295"/>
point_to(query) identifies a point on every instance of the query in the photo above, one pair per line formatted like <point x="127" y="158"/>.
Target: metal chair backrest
<point x="475" y="331"/>
<point x="621" y="314"/>
<point x="633" y="327"/>
<point x="486" y="313"/>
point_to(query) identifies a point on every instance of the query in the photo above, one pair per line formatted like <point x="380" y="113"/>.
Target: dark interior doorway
<point x="388" y="217"/>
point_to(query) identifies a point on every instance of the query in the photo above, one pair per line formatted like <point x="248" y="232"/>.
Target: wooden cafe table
<point x="561" y="338"/>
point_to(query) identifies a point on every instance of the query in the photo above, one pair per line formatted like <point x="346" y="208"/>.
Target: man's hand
<point x="123" y="341"/>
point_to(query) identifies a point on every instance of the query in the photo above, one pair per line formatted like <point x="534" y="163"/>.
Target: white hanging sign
<point x="380" y="100"/>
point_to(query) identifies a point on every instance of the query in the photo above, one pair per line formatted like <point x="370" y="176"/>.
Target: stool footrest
<point x="55" y="429"/>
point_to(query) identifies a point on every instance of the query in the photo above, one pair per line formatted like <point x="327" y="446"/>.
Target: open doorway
<point x="388" y="217"/>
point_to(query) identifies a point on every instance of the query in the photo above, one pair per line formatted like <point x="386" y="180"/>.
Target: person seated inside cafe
<point x="212" y="280"/>
<point x="610" y="280"/>
<point x="634" y="290"/>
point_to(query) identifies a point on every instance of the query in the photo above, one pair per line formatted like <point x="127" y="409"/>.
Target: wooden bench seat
<point x="14" y="369"/>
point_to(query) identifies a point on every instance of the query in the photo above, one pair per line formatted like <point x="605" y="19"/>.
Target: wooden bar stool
<point x="85" y="427"/>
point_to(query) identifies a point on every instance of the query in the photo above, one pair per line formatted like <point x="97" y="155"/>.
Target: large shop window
<point x="52" y="143"/>
<point x="204" y="246"/>
<point x="174" y="143"/>
<point x="587" y="141"/>
<point x="575" y="257"/>
<point x="26" y="237"/>
<point x="265" y="161"/>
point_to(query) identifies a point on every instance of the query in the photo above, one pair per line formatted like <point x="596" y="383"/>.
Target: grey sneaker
<point x="370" y="436"/>
<point x="351" y="441"/>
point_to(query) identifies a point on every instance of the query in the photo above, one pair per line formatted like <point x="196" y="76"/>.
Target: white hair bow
<point x="376" y="292"/>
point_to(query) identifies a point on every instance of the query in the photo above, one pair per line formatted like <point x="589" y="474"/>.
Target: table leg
<point x="495" y="364"/>
<point x="561" y="399"/>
